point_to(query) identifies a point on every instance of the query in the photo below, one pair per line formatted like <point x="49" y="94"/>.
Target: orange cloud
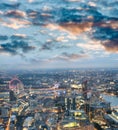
<point x="16" y="13"/>
<point x="72" y="28"/>
<point x="16" y="23"/>
<point x="52" y="26"/>
<point x="77" y="28"/>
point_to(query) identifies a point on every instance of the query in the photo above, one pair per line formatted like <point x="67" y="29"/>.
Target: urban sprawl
<point x="73" y="99"/>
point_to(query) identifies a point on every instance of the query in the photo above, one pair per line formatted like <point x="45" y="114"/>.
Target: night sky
<point x="36" y="34"/>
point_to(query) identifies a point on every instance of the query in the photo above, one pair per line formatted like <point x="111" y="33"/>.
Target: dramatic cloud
<point x="111" y="46"/>
<point x="13" y="47"/>
<point x="39" y="17"/>
<point x="8" y="5"/>
<point x="108" y="35"/>
<point x="3" y="38"/>
<point x="6" y="50"/>
<point x="108" y="24"/>
<point x="73" y="28"/>
<point x="58" y="31"/>
<point x="15" y="13"/>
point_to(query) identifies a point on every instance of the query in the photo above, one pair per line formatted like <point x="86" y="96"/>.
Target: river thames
<point x="112" y="99"/>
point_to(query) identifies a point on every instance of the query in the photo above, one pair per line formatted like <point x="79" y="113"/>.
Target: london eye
<point x="16" y="85"/>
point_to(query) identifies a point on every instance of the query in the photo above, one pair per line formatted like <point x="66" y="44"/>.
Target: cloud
<point x="74" y="0"/>
<point x="72" y="28"/>
<point x="15" y="13"/>
<point x="6" y="50"/>
<point x="18" y="37"/>
<point x="79" y="14"/>
<point x="112" y="24"/>
<point x="77" y="28"/>
<point x="69" y="57"/>
<point x="15" y="23"/>
<point x="65" y="23"/>
<point x="111" y="46"/>
<point x="39" y="17"/>
<point x="1" y="12"/>
<point x="32" y="14"/>
<point x="22" y="45"/>
<point x="92" y="45"/>
<point x="38" y="60"/>
<point x="92" y="4"/>
<point x="62" y="39"/>
<point x="3" y="37"/>
<point x="4" y="6"/>
<point x="30" y="1"/>
<point x="55" y="43"/>
<point x="48" y="45"/>
<point x="1" y="20"/>
<point x="14" y="47"/>
<point x="107" y="34"/>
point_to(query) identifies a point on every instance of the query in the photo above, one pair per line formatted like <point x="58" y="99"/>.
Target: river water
<point x="112" y="99"/>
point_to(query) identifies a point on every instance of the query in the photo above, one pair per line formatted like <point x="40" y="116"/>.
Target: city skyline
<point x="58" y="34"/>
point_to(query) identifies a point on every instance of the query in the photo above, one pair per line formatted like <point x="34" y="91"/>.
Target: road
<point x="8" y="125"/>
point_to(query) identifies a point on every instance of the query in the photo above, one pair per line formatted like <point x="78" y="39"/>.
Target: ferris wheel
<point x="16" y="86"/>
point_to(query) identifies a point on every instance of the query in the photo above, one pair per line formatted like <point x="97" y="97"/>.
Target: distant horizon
<point x="61" y="69"/>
